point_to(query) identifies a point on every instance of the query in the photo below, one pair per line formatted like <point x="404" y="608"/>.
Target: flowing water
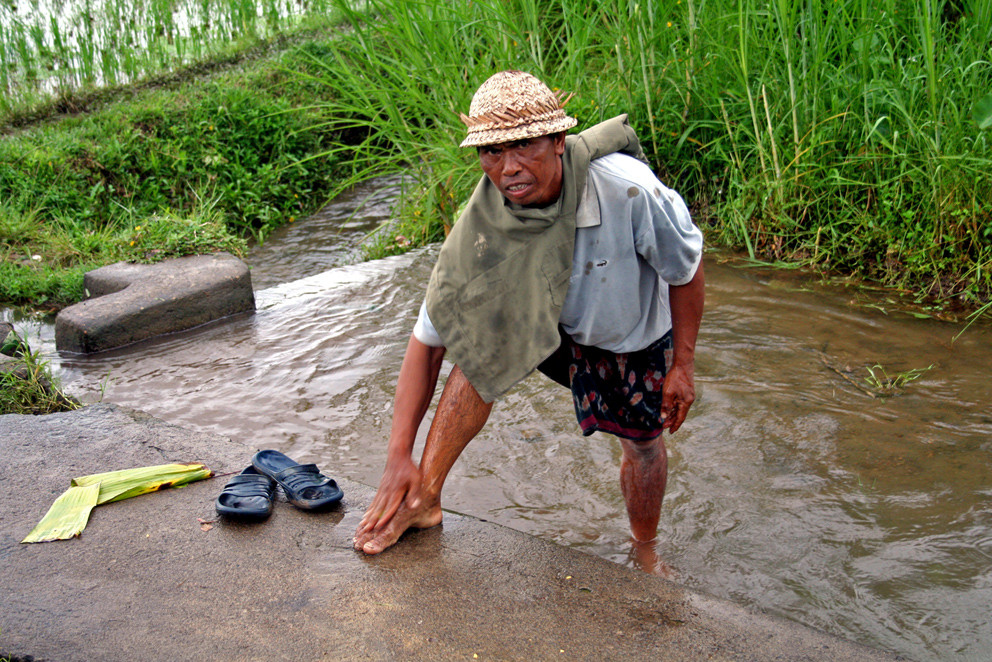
<point x="791" y="488"/>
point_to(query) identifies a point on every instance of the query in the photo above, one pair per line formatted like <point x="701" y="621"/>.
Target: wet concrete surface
<point x="148" y="580"/>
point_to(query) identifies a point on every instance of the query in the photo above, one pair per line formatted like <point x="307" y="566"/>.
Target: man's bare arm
<point x="679" y="389"/>
<point x="401" y="479"/>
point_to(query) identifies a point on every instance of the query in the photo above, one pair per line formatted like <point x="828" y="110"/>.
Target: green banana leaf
<point x="71" y="511"/>
<point x="126" y="483"/>
<point x="68" y="515"/>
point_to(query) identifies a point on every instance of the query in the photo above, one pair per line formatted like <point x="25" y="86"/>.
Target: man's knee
<point x="644" y="449"/>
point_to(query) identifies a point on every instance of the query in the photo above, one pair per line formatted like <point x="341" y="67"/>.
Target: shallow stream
<point x="792" y="489"/>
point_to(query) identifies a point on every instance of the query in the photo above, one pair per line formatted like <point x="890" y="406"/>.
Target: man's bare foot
<point x="370" y="541"/>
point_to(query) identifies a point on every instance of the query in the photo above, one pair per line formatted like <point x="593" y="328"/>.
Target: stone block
<point x="129" y="303"/>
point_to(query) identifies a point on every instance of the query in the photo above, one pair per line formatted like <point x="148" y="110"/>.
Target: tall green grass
<point x="845" y="135"/>
<point x="50" y="48"/>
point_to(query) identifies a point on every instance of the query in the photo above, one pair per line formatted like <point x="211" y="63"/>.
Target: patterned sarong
<point x="615" y="393"/>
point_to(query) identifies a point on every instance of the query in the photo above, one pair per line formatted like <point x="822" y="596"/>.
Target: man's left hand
<point x="678" y="392"/>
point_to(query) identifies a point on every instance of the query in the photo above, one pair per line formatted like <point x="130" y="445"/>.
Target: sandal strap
<point x="250" y="491"/>
<point x="250" y="485"/>
<point x="250" y="478"/>
<point x="302" y="475"/>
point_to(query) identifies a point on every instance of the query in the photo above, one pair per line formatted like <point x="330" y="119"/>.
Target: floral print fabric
<point x="615" y="393"/>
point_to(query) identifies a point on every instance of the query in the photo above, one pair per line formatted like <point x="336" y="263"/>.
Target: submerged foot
<point x="372" y="541"/>
<point x="645" y="558"/>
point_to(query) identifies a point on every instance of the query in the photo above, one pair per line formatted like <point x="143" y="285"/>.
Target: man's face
<point x="527" y="172"/>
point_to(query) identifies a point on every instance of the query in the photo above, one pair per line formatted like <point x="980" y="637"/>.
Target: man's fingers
<point x="375" y="512"/>
<point x="386" y="514"/>
<point x="678" y="416"/>
<point x="413" y="496"/>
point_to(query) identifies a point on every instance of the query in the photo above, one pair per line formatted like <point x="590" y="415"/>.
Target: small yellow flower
<point x="292" y="218"/>
<point x="137" y="228"/>
<point x="132" y="243"/>
<point x="669" y="24"/>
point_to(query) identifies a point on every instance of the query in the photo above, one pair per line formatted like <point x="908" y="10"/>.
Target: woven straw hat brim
<point x="495" y="135"/>
<point x="513" y="105"/>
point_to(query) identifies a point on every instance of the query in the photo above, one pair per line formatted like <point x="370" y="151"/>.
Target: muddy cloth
<point x="615" y="393"/>
<point x="500" y="281"/>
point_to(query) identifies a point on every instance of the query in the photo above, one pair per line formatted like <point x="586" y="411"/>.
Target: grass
<point x="193" y="167"/>
<point x="50" y="50"/>
<point x="849" y="137"/>
<point x="878" y="383"/>
<point x="27" y="386"/>
<point x="882" y="383"/>
<point x="844" y="136"/>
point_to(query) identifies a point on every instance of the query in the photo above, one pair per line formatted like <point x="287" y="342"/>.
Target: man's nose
<point x="511" y="164"/>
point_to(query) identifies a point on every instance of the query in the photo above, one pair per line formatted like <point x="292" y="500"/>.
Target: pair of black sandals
<point x="249" y="495"/>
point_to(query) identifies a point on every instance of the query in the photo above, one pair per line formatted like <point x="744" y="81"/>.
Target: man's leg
<point x="460" y="415"/>
<point x="643" y="475"/>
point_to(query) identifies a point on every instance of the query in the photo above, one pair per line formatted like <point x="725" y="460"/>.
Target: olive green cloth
<point x="497" y="289"/>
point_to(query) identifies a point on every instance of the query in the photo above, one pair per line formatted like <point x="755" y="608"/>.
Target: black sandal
<point x="248" y="497"/>
<point x="304" y="485"/>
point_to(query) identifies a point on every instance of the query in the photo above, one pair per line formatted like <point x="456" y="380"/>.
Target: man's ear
<point x="559" y="142"/>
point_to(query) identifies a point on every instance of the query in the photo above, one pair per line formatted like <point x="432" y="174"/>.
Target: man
<point x="570" y="257"/>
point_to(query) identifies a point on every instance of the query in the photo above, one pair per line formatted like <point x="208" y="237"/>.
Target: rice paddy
<point x="51" y="47"/>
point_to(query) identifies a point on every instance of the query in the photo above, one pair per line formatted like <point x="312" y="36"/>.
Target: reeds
<point x="845" y="135"/>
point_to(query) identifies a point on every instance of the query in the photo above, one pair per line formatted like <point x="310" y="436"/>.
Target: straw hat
<point x="513" y="105"/>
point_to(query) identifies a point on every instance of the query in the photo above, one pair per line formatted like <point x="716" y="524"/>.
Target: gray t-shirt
<point x="633" y="238"/>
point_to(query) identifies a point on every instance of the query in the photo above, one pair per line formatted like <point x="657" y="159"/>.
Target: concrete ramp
<point x="149" y="581"/>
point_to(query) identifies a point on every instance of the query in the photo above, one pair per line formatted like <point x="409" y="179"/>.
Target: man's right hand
<point x="401" y="481"/>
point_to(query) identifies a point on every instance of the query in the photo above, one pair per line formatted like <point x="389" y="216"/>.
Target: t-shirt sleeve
<point x="665" y="235"/>
<point x="424" y="331"/>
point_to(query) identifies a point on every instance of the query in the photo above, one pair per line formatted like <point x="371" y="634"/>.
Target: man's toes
<point x="382" y="540"/>
<point x="360" y="539"/>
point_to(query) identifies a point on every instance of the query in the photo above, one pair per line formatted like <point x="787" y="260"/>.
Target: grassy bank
<point x="845" y="136"/>
<point x="196" y="165"/>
